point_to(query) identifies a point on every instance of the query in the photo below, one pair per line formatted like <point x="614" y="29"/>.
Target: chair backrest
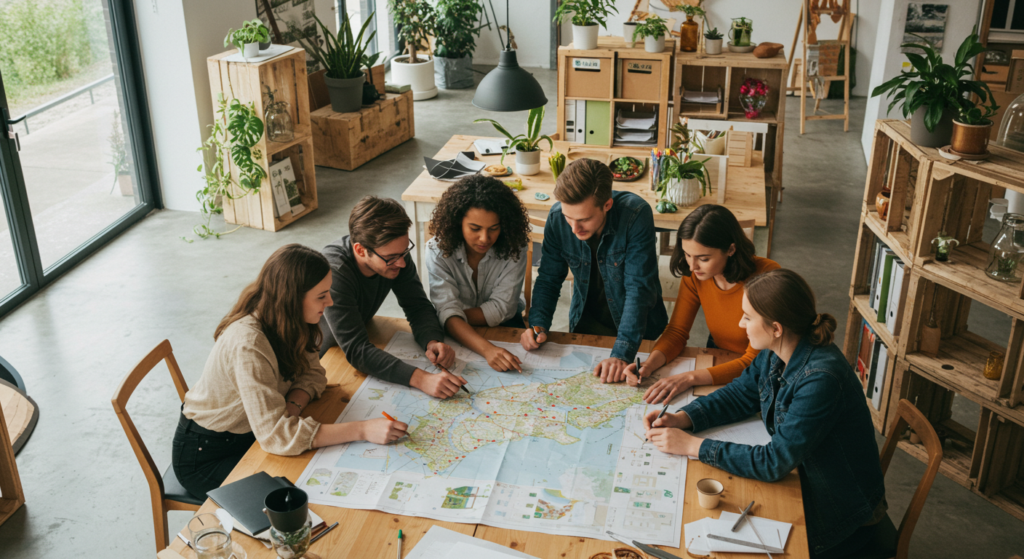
<point x="908" y="414"/>
<point x="537" y="229"/>
<point x="161" y="352"/>
<point x="748" y="228"/>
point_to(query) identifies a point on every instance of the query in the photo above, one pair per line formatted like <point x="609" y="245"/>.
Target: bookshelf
<point x="596" y="84"/>
<point x="930" y="194"/>
<point x="286" y="76"/>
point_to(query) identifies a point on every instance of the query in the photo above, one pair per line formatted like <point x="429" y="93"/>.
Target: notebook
<point x="244" y="499"/>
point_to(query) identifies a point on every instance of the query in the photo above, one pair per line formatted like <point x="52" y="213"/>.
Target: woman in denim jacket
<point x="813" y="406"/>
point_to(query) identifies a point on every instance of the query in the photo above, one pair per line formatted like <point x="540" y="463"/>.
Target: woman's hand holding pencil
<point x="383" y="431"/>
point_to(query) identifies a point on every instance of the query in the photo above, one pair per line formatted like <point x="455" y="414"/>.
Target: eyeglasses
<point x="395" y="258"/>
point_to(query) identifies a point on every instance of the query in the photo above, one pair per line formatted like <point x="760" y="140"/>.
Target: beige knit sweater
<point x="242" y="391"/>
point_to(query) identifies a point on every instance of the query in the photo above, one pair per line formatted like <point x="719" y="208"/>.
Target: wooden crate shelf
<point x="965" y="271"/>
<point x="348" y="140"/>
<point x="959" y="366"/>
<point x="1001" y="478"/>
<point x="862" y="304"/>
<point x="247" y="82"/>
<point x="902" y="169"/>
<point x="898" y="241"/>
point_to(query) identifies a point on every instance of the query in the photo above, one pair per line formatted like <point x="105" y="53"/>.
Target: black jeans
<point x="515" y="322"/>
<point x="202" y="459"/>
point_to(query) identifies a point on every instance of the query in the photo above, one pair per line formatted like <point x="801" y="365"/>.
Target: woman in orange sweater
<point x="713" y="259"/>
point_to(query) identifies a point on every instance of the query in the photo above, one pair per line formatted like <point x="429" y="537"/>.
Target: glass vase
<point x="689" y="35"/>
<point x="1004" y="258"/>
<point x="752" y="105"/>
<point x="291" y="545"/>
<point x="278" y="122"/>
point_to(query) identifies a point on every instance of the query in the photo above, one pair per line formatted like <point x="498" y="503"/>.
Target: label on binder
<point x="639" y="67"/>
<point x="586" y="64"/>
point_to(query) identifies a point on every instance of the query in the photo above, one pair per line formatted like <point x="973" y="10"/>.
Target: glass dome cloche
<point x="1011" y="130"/>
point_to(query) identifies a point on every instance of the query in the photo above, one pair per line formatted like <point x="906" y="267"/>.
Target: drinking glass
<point x="211" y="539"/>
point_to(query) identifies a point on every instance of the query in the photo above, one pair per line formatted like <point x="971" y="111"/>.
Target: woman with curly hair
<point x="477" y="261"/>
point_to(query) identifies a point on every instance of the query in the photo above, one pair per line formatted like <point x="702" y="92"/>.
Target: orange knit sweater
<point x="722" y="311"/>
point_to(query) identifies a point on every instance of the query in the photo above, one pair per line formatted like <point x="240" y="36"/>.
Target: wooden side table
<point x="347" y="140"/>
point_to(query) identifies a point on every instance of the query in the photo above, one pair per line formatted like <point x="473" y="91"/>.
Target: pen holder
<point x="287" y="508"/>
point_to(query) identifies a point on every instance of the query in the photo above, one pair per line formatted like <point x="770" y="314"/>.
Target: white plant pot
<point x="527" y="162"/>
<point x="250" y="50"/>
<point x="712" y="46"/>
<point x="584" y="37"/>
<point x="683" y="192"/>
<point x="628" y="27"/>
<point x="418" y="75"/>
<point x="652" y="44"/>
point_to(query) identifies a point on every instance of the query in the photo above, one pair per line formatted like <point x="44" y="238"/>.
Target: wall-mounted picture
<point x="925" y="23"/>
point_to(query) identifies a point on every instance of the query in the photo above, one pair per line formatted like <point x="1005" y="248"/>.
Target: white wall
<point x="960" y="21"/>
<point x="176" y="37"/>
<point x="531" y="26"/>
<point x="775" y="21"/>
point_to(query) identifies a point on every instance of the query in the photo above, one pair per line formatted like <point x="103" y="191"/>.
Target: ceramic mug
<point x="709" y="493"/>
<point x="882" y="204"/>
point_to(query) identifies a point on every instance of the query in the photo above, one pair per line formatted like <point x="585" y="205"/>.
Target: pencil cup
<point x="290" y="527"/>
<point x="709" y="493"/>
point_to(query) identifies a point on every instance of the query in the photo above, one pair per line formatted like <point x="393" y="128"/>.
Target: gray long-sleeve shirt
<point x="356" y="300"/>
<point x="497" y="291"/>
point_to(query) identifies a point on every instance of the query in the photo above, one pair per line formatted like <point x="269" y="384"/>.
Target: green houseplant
<point x="414" y="20"/>
<point x="233" y="134"/>
<point x="527" y="145"/>
<point x="247" y="39"/>
<point x="739" y="34"/>
<point x="343" y="56"/>
<point x="455" y="33"/>
<point x="587" y="15"/>
<point x="652" y="30"/>
<point x="713" y="41"/>
<point x="684" y="180"/>
<point x="932" y="93"/>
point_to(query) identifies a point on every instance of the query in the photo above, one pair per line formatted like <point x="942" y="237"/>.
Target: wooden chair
<point x="165" y="491"/>
<point x="536" y="236"/>
<point x="907" y="415"/>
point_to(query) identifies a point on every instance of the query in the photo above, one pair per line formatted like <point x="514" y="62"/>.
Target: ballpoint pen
<point x="637" y="373"/>
<point x="663" y="410"/>
<point x="736" y="525"/>
<point x="321" y="534"/>
<point x="536" y="333"/>
<point x="450" y="373"/>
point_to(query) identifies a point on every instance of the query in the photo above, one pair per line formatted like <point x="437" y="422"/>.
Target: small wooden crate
<point x="286" y="75"/>
<point x="347" y="140"/>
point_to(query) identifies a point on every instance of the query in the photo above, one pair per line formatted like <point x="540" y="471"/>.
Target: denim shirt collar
<point x="797" y="361"/>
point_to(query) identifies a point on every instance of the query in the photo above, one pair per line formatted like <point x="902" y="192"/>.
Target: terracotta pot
<point x="970" y="139"/>
<point x="882" y="204"/>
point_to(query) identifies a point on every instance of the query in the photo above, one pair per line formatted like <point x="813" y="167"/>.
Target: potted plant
<point x="586" y="16"/>
<point x="739" y="35"/>
<point x="343" y="57"/>
<point x="455" y="33"/>
<point x="414" y="20"/>
<point x="628" y="27"/>
<point x="684" y="180"/>
<point x="973" y="124"/>
<point x="119" y="159"/>
<point x="689" y="31"/>
<point x="713" y="41"/>
<point x="931" y="92"/>
<point x="653" y="31"/>
<point x="527" y="145"/>
<point x="247" y="39"/>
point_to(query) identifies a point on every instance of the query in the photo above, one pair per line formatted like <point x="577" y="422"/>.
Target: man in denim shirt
<point x="607" y="239"/>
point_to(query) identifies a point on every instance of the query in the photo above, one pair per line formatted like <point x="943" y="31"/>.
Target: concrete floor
<point x="75" y="340"/>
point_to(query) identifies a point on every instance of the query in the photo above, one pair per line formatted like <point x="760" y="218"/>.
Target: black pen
<point x="450" y="373"/>
<point x="663" y="410"/>
<point x="638" y="371"/>
<point x="321" y="534"/>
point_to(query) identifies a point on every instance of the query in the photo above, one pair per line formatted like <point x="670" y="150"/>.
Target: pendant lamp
<point x="508" y="87"/>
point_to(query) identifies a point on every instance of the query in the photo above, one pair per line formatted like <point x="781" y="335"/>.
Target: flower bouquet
<point x="753" y="96"/>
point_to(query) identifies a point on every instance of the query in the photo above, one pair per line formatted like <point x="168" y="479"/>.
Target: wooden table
<point x="368" y="534"/>
<point x="744" y="192"/>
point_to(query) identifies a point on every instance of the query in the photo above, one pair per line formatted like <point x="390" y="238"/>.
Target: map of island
<point x="537" y="451"/>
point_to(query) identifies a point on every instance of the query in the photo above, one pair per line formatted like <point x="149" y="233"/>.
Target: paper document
<point x="749" y="431"/>
<point x="453" y="169"/>
<point x="551" y="450"/>
<point x="491" y="146"/>
<point x="631" y="136"/>
<point x="636" y="121"/>
<point x="774" y="533"/>
<point x="706" y="97"/>
<point x="441" y="543"/>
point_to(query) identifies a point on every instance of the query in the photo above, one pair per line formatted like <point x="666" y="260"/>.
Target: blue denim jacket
<point x="819" y="423"/>
<point x="628" y="258"/>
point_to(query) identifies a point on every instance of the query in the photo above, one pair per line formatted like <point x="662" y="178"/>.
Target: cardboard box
<point x="640" y="78"/>
<point x="588" y="77"/>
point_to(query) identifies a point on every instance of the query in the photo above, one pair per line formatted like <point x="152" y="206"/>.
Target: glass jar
<point x="689" y="35"/>
<point x="1006" y="250"/>
<point x="994" y="365"/>
<point x="753" y="97"/>
<point x="291" y="545"/>
<point x="1011" y="130"/>
<point x="740" y="31"/>
<point x="278" y="122"/>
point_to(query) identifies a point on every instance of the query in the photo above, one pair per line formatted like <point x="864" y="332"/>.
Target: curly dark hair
<point x="486" y="193"/>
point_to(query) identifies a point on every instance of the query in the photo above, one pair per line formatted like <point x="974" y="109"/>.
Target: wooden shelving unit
<point x="630" y="79"/>
<point x="696" y="71"/>
<point x="930" y="195"/>
<point x="286" y="76"/>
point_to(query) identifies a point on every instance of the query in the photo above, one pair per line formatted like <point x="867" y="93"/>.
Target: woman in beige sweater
<point x="263" y="370"/>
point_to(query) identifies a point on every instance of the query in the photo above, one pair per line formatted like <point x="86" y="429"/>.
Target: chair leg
<point x="160" y="527"/>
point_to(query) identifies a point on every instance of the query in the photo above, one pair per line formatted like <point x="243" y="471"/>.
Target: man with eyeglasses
<point x="367" y="264"/>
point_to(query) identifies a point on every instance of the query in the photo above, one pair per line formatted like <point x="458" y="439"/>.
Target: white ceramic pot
<point x="584" y="37"/>
<point x="712" y="46"/>
<point x="527" y="162"/>
<point x="652" y="44"/>
<point x="683" y="192"/>
<point x="419" y="75"/>
<point x="250" y="50"/>
<point x="628" y="27"/>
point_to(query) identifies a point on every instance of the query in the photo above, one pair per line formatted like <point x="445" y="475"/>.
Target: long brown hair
<point x="783" y="296"/>
<point x="275" y="300"/>
<point x="715" y="227"/>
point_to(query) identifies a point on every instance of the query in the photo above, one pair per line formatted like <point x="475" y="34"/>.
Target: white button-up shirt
<point x="498" y="290"/>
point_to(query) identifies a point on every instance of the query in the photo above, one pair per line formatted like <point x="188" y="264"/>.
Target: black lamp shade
<point x="509" y="87"/>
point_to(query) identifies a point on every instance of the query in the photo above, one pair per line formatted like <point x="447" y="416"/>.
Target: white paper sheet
<point x="749" y="431"/>
<point x="773" y="532"/>
<point x="552" y="450"/>
<point x="439" y="543"/>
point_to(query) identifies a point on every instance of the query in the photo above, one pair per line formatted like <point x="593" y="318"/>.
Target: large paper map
<point x="550" y="450"/>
